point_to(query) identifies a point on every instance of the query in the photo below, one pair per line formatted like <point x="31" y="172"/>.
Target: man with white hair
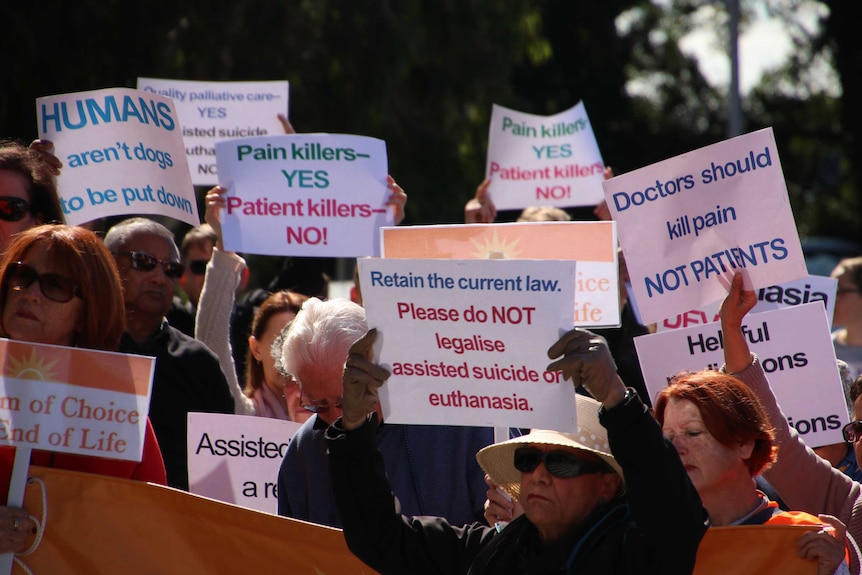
<point x="433" y="469"/>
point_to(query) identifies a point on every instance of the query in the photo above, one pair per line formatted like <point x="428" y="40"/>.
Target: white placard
<point x="797" y="292"/>
<point x="304" y="195"/>
<point x="235" y="458"/>
<point x="466" y="341"/>
<point x="687" y="224"/>
<point x="214" y="111"/>
<point x="122" y="153"/>
<point x="795" y="349"/>
<point x="543" y="160"/>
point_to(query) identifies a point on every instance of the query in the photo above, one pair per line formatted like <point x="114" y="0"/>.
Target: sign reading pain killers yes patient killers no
<point x="466" y="341"/>
<point x="122" y="153"/>
<point x="304" y="194"/>
<point x="74" y="400"/>
<point x="687" y="224"/>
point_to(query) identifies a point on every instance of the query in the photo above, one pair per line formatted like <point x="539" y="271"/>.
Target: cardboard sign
<point x="235" y="458"/>
<point x="122" y="153"/>
<point x="304" y="195"/>
<point x="74" y="400"/>
<point x="797" y="292"/>
<point x="543" y="160"/>
<point x="592" y="244"/>
<point x="796" y="353"/>
<point x="213" y="111"/>
<point x="466" y="340"/>
<point x="687" y="224"/>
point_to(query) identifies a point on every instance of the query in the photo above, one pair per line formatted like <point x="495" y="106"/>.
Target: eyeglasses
<point x="53" y="286"/>
<point x="197" y="267"/>
<point x="144" y="262"/>
<point x="317" y="407"/>
<point x="852" y="432"/>
<point x="13" y="209"/>
<point x="559" y="463"/>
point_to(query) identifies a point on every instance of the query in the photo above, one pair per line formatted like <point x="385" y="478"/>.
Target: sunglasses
<point x="13" y="209"/>
<point x="317" y="407"/>
<point x="53" y="286"/>
<point x="852" y="432"/>
<point x="144" y="262"/>
<point x="559" y="463"/>
<point x="198" y="267"/>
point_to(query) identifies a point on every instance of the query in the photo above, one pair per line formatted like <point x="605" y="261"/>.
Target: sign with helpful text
<point x="74" y="400"/>
<point x="235" y="458"/>
<point x="687" y="224"/>
<point x="304" y="195"/>
<point x="543" y="160"/>
<point x="214" y="111"/>
<point x="122" y="153"/>
<point x="796" y="292"/>
<point x="795" y="350"/>
<point x="466" y="341"/>
<point x="592" y="244"/>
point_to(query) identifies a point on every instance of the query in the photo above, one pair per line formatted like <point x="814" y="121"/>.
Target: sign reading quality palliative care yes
<point x="543" y="160"/>
<point x="214" y="111"/>
<point x="466" y="341"/>
<point x="800" y="364"/>
<point x="304" y="195"/>
<point x="687" y="224"/>
<point x="122" y="153"/>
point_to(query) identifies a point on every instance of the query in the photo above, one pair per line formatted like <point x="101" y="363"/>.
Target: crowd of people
<point x="634" y="491"/>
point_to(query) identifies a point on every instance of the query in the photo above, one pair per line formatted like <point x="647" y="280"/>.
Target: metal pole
<point x="734" y="113"/>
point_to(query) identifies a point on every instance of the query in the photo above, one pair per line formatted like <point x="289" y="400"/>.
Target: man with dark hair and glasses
<point x="196" y="250"/>
<point x="188" y="376"/>
<point x="432" y="468"/>
<point x="612" y="498"/>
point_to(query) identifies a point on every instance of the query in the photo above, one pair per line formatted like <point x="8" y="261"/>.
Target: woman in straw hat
<point x="589" y="508"/>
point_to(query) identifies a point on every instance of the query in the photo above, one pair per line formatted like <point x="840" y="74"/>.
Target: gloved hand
<point x="587" y="361"/>
<point x="360" y="383"/>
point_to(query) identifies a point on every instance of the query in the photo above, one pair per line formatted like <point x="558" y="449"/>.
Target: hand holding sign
<point x="733" y="309"/>
<point x="362" y="380"/>
<point x="587" y="362"/>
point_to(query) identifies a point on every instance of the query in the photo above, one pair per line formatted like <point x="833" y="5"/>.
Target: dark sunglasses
<point x="53" y="286"/>
<point x="852" y="432"/>
<point x="13" y="209"/>
<point x="144" y="262"/>
<point x="317" y="407"/>
<point x="198" y="267"/>
<point x="559" y="463"/>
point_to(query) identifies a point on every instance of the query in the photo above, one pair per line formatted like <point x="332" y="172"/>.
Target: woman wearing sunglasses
<point x="612" y="498"/>
<point x="28" y="195"/>
<point x="60" y="286"/>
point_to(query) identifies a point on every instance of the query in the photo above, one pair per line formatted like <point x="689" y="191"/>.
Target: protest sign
<point x="466" y="341"/>
<point x="122" y="153"/>
<point x="74" y="400"/>
<point x="543" y="160"/>
<point x="687" y="224"/>
<point x="213" y="111"/>
<point x="796" y="292"/>
<point x="796" y="353"/>
<point x="235" y="458"/>
<point x="304" y="195"/>
<point x="592" y="244"/>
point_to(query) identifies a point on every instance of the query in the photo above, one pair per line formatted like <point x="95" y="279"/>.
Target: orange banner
<point x="755" y="549"/>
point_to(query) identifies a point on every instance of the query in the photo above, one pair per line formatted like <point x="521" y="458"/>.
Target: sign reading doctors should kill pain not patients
<point x="304" y="194"/>
<point x="543" y="160"/>
<point x="74" y="400"/>
<point x="687" y="224"/>
<point x="214" y="111"/>
<point x="795" y="350"/>
<point x="466" y="341"/>
<point x="122" y="153"/>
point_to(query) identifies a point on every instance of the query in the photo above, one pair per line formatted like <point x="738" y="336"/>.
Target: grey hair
<point x="319" y="337"/>
<point x="120" y="234"/>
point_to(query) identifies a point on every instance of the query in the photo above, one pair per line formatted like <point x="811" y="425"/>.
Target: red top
<point x="151" y="468"/>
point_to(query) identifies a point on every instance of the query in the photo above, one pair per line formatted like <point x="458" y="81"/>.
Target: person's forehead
<point x="13" y="184"/>
<point x="151" y="243"/>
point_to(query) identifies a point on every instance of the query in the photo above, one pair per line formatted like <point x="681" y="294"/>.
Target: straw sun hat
<point x="498" y="460"/>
